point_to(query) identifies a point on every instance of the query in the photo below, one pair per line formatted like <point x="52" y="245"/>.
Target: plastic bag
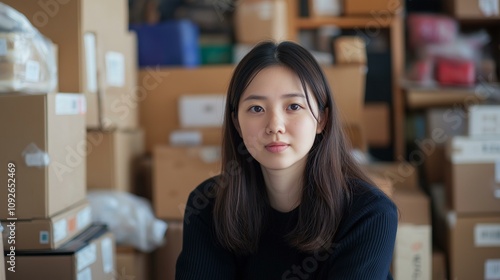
<point x="27" y="58"/>
<point x="129" y="217"/>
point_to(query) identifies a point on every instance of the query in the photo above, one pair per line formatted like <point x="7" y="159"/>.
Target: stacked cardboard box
<point x="473" y="196"/>
<point x="89" y="255"/>
<point x="413" y="248"/>
<point x="98" y="57"/>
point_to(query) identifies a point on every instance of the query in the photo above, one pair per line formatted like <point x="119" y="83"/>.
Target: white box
<point x="473" y="150"/>
<point x="484" y="120"/>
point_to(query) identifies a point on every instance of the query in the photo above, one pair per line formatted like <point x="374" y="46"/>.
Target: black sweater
<point x="363" y="244"/>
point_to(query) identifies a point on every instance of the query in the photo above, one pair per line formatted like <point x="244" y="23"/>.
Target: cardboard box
<point x="380" y="9"/>
<point x="112" y="92"/>
<point x="44" y="141"/>
<point x="49" y="233"/>
<point x="349" y="50"/>
<point x="401" y="174"/>
<point x="111" y="157"/>
<point x="474" y="247"/>
<point x="165" y="86"/>
<point x="91" y="255"/>
<point x="65" y="22"/>
<point x="441" y="125"/>
<point x="165" y="257"/>
<point x="376" y="124"/>
<point x="439" y="266"/>
<point x="132" y="263"/>
<point x="260" y="20"/>
<point x="473" y="175"/>
<point x="413" y="248"/>
<point x="176" y="172"/>
<point x="473" y="9"/>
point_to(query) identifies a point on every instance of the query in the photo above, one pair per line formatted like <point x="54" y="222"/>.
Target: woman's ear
<point x="322" y="121"/>
<point x="236" y="123"/>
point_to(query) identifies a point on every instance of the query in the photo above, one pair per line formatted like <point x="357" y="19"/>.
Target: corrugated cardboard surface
<point x="166" y="256"/>
<point x="402" y="174"/>
<point x="467" y="260"/>
<point x="176" y="172"/>
<point x="376" y="124"/>
<point x="111" y="157"/>
<point x="382" y="8"/>
<point x="115" y="106"/>
<point x="159" y="114"/>
<point x="261" y="20"/>
<point x="64" y="22"/>
<point x="42" y="191"/>
<point x="84" y="257"/>
<point x="132" y="263"/>
<point x="439" y="265"/>
<point x="51" y="233"/>
<point x="472" y="189"/>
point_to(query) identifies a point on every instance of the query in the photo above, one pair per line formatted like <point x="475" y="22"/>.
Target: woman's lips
<point x="276" y="148"/>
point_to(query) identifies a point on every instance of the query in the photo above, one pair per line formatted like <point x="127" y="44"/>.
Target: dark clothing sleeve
<point x="365" y="245"/>
<point x="201" y="257"/>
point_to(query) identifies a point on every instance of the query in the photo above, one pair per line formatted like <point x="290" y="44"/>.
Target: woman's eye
<point x="294" y="107"/>
<point x="256" y="109"/>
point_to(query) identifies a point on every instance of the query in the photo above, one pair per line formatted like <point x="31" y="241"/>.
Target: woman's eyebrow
<point x="263" y="97"/>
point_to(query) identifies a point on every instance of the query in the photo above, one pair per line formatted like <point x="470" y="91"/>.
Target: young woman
<point x="291" y="202"/>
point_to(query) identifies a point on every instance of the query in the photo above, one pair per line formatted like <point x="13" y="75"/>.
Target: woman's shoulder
<point x="369" y="198"/>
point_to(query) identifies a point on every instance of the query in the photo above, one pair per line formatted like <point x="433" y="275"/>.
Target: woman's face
<point x="275" y="121"/>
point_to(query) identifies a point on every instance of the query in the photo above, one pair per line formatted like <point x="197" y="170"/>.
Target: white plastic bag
<point x="27" y="58"/>
<point x="129" y="217"/>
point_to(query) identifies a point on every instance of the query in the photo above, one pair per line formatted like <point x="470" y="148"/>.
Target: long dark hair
<point x="241" y="199"/>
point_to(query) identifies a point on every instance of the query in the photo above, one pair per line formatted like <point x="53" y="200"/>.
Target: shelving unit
<point x="395" y="26"/>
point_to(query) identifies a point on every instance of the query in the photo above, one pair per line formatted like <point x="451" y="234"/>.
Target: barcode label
<point x="115" y="69"/>
<point x="70" y="104"/>
<point x="492" y="269"/>
<point x="487" y="235"/>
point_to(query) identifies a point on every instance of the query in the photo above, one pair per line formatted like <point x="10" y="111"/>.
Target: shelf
<point x="427" y="97"/>
<point x="342" y="22"/>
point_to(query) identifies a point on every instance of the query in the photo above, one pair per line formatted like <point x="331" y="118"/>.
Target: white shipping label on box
<point x="85" y="274"/>
<point x="32" y="73"/>
<point x="86" y="256"/>
<point x="474" y="150"/>
<point x="70" y="104"/>
<point x="83" y="218"/>
<point x="107" y="255"/>
<point x="91" y="61"/>
<point x="492" y="269"/>
<point x="497" y="171"/>
<point x="484" y="120"/>
<point x="60" y="230"/>
<point x="186" y="138"/>
<point x="413" y="252"/>
<point x="489" y="7"/>
<point x="487" y="235"/>
<point x="201" y="110"/>
<point x="115" y="69"/>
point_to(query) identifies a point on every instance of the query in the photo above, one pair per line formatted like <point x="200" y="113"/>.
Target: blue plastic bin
<point x="168" y="43"/>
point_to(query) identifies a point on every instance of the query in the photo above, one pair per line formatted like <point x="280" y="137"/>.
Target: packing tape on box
<point x="34" y="157"/>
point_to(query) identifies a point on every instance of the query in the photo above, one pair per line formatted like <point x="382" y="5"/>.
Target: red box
<point x="455" y="72"/>
<point x="428" y="28"/>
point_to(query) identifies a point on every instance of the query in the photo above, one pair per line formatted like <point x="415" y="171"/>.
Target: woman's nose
<point x="275" y="124"/>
